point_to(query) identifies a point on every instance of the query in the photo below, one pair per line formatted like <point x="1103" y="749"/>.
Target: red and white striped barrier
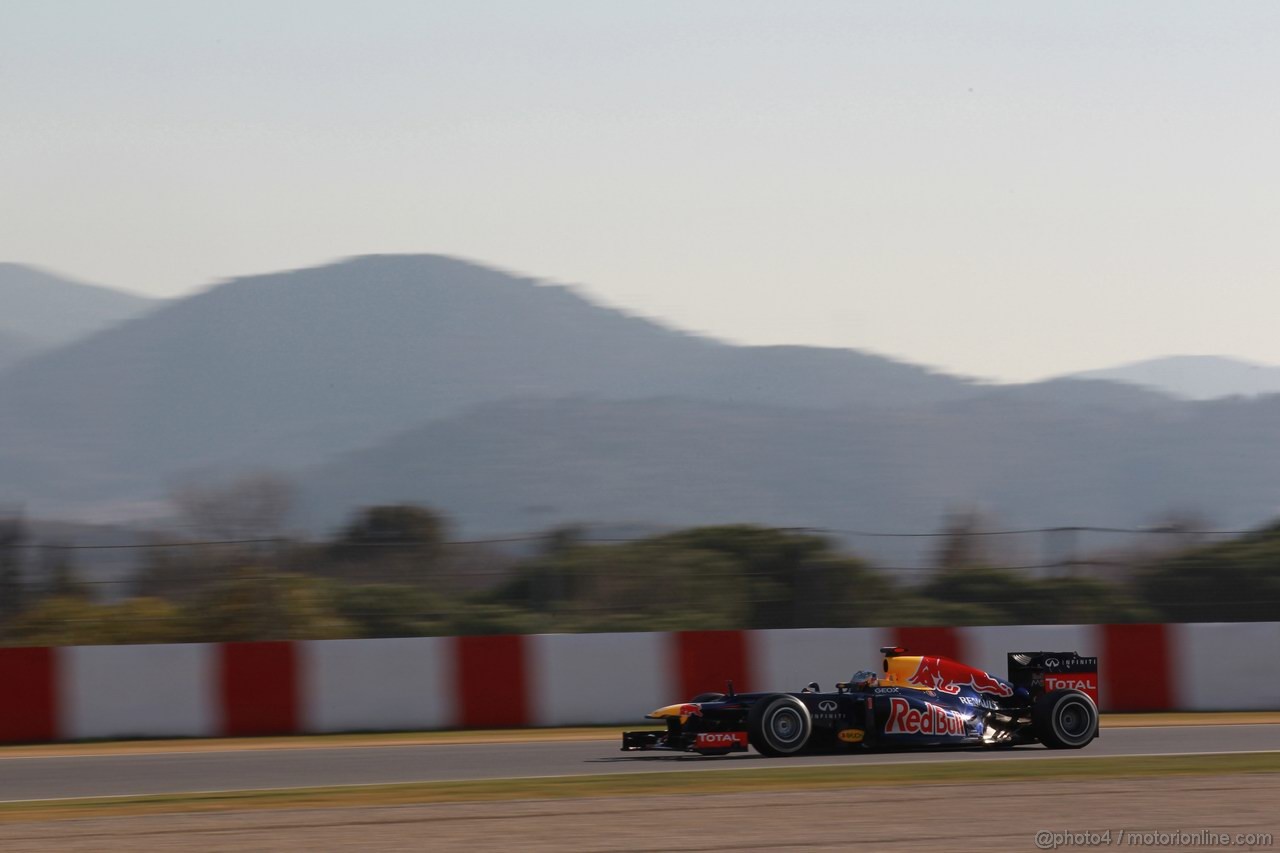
<point x="230" y="689"/>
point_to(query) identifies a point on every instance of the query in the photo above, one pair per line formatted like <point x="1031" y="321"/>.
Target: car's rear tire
<point x="779" y="725"/>
<point x="1065" y="719"/>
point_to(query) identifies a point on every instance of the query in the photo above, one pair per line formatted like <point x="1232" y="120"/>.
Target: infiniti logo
<point x="827" y="705"/>
<point x="1052" y="663"/>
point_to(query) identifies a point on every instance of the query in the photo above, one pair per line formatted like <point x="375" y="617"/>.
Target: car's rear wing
<point x="1043" y="672"/>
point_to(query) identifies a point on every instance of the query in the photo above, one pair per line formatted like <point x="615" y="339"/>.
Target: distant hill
<point x="1195" y="377"/>
<point x="513" y="403"/>
<point x="519" y="466"/>
<point x="1080" y="394"/>
<point x="14" y="348"/>
<point x="287" y="369"/>
<point x="47" y="310"/>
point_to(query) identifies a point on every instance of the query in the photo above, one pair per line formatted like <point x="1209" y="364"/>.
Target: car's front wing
<point x="703" y="742"/>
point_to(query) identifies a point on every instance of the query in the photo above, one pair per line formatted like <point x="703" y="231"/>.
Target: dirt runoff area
<point x="1024" y="815"/>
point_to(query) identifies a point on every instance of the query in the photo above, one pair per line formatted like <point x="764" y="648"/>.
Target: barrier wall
<point x="202" y="690"/>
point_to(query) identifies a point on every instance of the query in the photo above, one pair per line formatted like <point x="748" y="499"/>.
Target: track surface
<point x="51" y="777"/>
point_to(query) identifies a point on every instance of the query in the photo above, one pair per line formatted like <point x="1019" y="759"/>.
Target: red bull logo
<point x="933" y="720"/>
<point x="984" y="683"/>
<point x="947" y="676"/>
<point x="690" y="710"/>
<point x="929" y="674"/>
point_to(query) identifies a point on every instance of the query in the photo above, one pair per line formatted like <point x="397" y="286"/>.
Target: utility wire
<point x="588" y="540"/>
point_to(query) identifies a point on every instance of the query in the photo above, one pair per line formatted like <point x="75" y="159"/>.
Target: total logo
<point x="720" y="740"/>
<point x="933" y="720"/>
<point x="1086" y="682"/>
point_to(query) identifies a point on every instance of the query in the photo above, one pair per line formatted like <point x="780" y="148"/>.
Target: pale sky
<point x="1008" y="190"/>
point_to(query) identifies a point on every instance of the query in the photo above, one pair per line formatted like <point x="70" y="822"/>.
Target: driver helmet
<point x="863" y="680"/>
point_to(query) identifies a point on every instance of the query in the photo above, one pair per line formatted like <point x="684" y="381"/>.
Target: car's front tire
<point x="779" y="725"/>
<point x="1065" y="719"/>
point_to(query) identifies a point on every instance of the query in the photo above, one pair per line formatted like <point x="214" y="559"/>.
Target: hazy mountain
<point x="1196" y="377"/>
<point x="47" y="310"/>
<point x="514" y="404"/>
<point x="1078" y="394"/>
<point x="14" y="348"/>
<point x="517" y="466"/>
<point x="286" y="369"/>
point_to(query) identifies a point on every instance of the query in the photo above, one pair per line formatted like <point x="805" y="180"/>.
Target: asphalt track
<point x="74" y="776"/>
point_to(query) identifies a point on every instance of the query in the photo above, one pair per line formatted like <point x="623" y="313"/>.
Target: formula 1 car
<point x="1048" y="698"/>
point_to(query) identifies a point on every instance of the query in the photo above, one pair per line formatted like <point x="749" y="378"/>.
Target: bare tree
<point x="252" y="506"/>
<point x="963" y="541"/>
<point x="13" y="535"/>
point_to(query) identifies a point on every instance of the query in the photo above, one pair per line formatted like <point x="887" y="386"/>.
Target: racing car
<point x="916" y="701"/>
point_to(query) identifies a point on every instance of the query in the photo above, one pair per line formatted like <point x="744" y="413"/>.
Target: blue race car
<point x="916" y="701"/>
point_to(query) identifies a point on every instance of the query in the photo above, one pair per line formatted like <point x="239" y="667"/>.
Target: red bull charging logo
<point x="948" y="677"/>
<point x="690" y="710"/>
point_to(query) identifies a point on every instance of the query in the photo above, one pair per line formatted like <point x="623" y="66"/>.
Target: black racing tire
<point x="1065" y="719"/>
<point x="779" y="725"/>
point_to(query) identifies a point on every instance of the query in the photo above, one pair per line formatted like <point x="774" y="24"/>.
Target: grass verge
<point x="650" y="784"/>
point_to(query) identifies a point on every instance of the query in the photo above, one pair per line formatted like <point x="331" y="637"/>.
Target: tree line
<point x="391" y="571"/>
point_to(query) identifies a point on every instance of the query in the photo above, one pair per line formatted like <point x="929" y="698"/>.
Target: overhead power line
<point x="589" y="540"/>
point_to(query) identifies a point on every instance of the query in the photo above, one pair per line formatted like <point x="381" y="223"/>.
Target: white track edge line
<point x="506" y="744"/>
